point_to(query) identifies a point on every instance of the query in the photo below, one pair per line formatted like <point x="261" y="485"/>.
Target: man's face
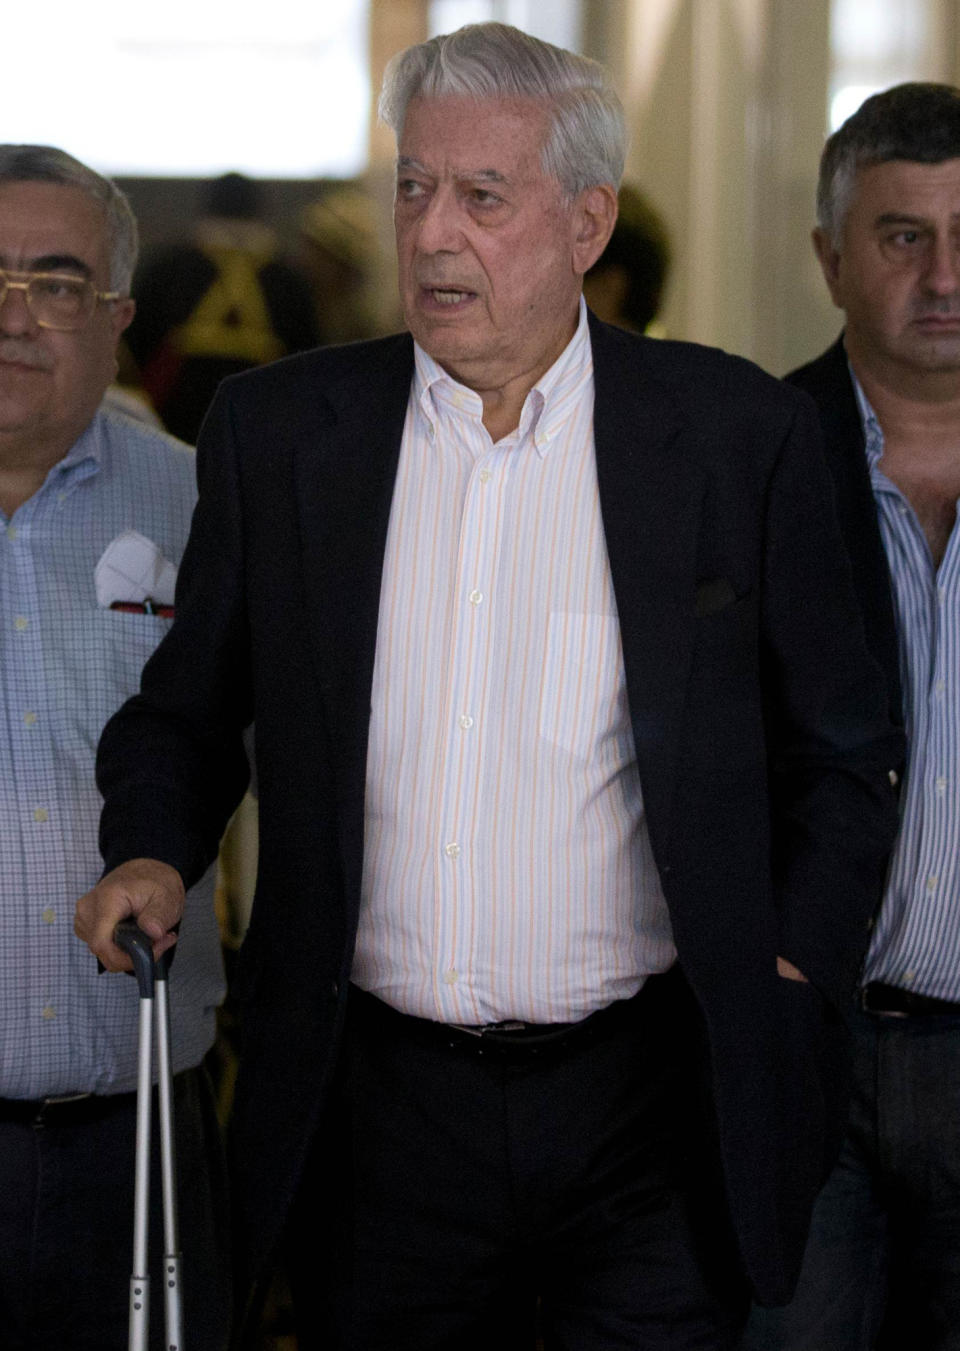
<point x="51" y="382"/>
<point x="897" y="270"/>
<point x="490" y="254"/>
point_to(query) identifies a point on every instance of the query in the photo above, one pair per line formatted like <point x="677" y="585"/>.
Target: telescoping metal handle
<point x="152" y="983"/>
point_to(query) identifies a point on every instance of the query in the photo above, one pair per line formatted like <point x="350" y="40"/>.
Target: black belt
<point x="76" y="1110"/>
<point x="895" y="1002"/>
<point x="508" y="1040"/>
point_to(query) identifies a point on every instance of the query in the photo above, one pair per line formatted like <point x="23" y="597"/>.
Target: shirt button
<point x="49" y="915"/>
<point x="941" y="784"/>
<point x="894" y="778"/>
<point x="932" y="881"/>
<point x="30" y="719"/>
<point x="476" y="597"/>
<point x="11" y="532"/>
<point x="49" y="1013"/>
<point x="452" y="850"/>
<point x="941" y="686"/>
<point x="450" y="977"/>
<point x="485" y="475"/>
<point x="20" y="623"/>
<point x="40" y="814"/>
<point x="466" y="722"/>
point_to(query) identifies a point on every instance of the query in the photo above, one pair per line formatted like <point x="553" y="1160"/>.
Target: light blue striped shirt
<point x="65" y="665"/>
<point x="916" y="939"/>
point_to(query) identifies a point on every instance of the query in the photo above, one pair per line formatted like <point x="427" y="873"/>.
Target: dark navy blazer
<point x="761" y="728"/>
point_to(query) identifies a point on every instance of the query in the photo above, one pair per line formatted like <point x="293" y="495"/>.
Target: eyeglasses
<point x="57" y="300"/>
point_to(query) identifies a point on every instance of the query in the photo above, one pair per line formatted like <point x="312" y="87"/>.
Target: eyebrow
<point x="904" y="218"/>
<point x="55" y="262"/>
<point x="485" y="175"/>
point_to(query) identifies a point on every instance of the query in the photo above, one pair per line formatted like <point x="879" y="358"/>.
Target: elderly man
<point x="531" y="615"/>
<point x="76" y="482"/>
<point x="883" y="1265"/>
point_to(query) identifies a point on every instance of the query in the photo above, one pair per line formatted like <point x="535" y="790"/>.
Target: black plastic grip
<point x="139" y="948"/>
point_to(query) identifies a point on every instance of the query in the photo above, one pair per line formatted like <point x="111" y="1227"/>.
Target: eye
<point x="484" y="197"/>
<point x="408" y="189"/>
<point x="58" y="288"/>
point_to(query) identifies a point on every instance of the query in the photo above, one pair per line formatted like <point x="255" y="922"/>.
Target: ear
<point x="829" y="257"/>
<point x="595" y="214"/>
<point x="122" y="316"/>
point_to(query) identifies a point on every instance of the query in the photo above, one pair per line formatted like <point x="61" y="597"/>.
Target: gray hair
<point x="916" y="122"/>
<point x="47" y="164"/>
<point x="586" y="143"/>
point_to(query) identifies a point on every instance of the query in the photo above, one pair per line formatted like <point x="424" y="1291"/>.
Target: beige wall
<point x="726" y="101"/>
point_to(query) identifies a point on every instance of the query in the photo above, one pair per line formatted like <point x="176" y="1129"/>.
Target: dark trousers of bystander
<point x="481" y="1180"/>
<point x="66" y="1225"/>
<point x="882" y="1266"/>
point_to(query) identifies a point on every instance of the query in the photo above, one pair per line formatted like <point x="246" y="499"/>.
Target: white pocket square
<point x="133" y="570"/>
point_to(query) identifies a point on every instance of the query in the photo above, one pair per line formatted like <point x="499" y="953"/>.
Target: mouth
<point x="445" y="297"/>
<point x="17" y="360"/>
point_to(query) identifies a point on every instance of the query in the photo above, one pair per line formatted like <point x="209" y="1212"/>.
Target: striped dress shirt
<point x="507" y="867"/>
<point x="916" y="939"/>
<point x="66" y="664"/>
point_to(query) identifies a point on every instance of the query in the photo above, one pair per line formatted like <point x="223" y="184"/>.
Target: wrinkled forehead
<point x="50" y="227"/>
<point x="475" y="135"/>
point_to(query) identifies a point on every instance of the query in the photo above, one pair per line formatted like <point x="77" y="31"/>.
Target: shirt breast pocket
<point x="582" y="696"/>
<point x="115" y="647"/>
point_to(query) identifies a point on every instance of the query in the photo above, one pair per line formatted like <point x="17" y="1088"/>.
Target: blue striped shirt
<point x="916" y="939"/>
<point x="65" y="665"/>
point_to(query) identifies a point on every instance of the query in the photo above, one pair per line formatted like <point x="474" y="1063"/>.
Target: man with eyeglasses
<point x="94" y="513"/>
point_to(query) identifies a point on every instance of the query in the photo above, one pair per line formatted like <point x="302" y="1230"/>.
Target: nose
<point x="942" y="274"/>
<point x="15" y="316"/>
<point x="438" y="229"/>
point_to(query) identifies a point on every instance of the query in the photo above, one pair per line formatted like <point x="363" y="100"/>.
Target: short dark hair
<point x="48" y="164"/>
<point x="918" y="122"/>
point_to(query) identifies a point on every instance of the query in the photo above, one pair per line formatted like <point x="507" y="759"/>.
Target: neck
<point x="922" y="406"/>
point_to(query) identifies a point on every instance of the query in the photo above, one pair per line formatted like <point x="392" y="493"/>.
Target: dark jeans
<point x="882" y="1267"/>
<point x="476" y="1185"/>
<point x="66" y="1229"/>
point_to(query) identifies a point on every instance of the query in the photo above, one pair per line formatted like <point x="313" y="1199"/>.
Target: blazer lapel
<point x="344" y="483"/>
<point x="651" y="487"/>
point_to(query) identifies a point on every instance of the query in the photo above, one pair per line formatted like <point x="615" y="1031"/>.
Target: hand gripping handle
<point x="139" y="948"/>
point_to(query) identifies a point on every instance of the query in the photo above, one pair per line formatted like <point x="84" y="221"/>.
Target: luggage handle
<point x="151" y="979"/>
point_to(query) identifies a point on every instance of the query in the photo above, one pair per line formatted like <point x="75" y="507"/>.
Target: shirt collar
<point x="872" y="431"/>
<point x="87" y="447"/>
<point x="547" y="406"/>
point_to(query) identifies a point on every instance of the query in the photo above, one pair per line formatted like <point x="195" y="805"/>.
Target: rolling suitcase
<point x="154" y="1008"/>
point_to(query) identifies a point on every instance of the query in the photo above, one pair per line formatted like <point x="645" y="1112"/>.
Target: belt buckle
<point x="484" y="1029"/>
<point x="878" y="1013"/>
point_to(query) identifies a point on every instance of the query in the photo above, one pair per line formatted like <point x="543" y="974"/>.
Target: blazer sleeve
<point x="171" y="763"/>
<point x="833" y="752"/>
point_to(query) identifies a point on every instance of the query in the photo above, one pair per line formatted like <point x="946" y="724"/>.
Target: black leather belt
<point x="74" y="1110"/>
<point x="506" y="1040"/>
<point x="894" y="1002"/>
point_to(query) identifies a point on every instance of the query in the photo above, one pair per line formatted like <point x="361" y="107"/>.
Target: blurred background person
<point x="222" y="302"/>
<point x="626" y="284"/>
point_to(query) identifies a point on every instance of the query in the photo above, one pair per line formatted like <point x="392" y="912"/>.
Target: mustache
<point x="946" y="307"/>
<point x="21" y="353"/>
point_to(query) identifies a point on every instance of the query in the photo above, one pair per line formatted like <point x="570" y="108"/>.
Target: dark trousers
<point x="66" y="1228"/>
<point x="483" y="1188"/>
<point x="882" y="1266"/>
